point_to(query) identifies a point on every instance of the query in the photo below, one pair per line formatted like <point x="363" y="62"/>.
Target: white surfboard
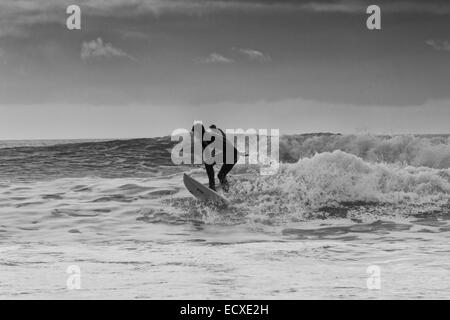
<point x="202" y="192"/>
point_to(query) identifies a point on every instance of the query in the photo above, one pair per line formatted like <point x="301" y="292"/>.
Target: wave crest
<point x="429" y="151"/>
<point x="336" y="179"/>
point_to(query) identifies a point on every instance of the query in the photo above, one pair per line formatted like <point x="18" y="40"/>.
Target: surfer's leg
<point x="210" y="173"/>
<point x="226" y="168"/>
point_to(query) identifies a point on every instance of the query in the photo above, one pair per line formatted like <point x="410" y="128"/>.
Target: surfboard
<point x="202" y="192"/>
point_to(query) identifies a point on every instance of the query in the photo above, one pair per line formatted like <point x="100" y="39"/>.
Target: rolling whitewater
<point x="120" y="212"/>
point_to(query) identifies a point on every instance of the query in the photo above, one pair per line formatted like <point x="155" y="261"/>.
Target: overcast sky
<point x="142" y="68"/>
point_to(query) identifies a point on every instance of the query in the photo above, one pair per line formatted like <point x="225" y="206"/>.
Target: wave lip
<point x="425" y="150"/>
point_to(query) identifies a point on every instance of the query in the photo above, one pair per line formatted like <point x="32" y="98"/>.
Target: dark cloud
<point x="16" y="17"/>
<point x="318" y="50"/>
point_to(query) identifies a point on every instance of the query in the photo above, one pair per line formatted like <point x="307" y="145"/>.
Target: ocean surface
<point x="112" y="219"/>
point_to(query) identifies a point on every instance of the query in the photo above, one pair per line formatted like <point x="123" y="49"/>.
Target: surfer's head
<point x="197" y="128"/>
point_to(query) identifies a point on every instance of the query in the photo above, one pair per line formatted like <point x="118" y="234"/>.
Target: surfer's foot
<point x="225" y="185"/>
<point x="212" y="187"/>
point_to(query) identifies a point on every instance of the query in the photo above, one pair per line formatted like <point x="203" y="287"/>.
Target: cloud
<point x="25" y="13"/>
<point x="439" y="45"/>
<point x="205" y="6"/>
<point x="97" y="49"/>
<point x="253" y="55"/>
<point x="214" y="58"/>
<point x="18" y="17"/>
<point x="239" y="55"/>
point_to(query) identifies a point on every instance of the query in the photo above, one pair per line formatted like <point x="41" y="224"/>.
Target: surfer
<point x="226" y="166"/>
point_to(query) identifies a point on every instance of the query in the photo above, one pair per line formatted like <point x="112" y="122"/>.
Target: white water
<point x="147" y="238"/>
<point x="119" y="214"/>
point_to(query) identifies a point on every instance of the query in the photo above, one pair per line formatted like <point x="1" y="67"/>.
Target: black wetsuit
<point x="226" y="167"/>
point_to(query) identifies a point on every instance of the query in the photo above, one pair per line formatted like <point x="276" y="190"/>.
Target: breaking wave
<point x="321" y="176"/>
<point x="425" y="150"/>
<point x="339" y="183"/>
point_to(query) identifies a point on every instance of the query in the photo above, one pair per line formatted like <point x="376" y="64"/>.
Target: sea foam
<point x="426" y="150"/>
<point x="339" y="179"/>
